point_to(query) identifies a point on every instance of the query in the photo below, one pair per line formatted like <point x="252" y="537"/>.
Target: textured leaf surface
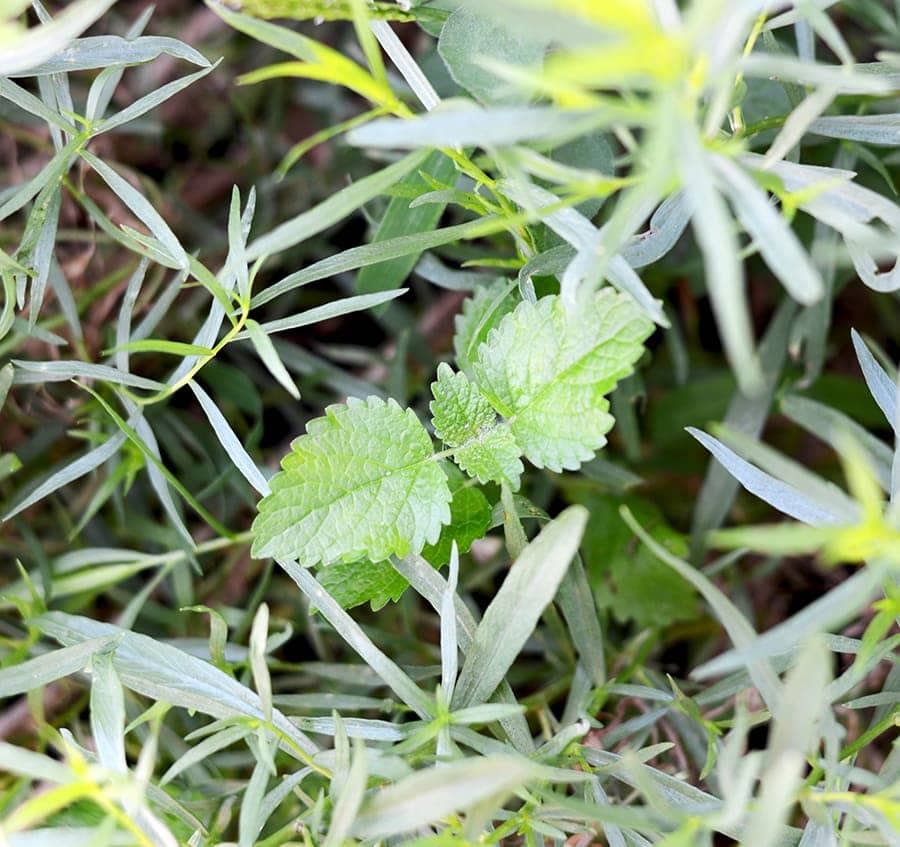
<point x="466" y="421"/>
<point x="546" y="369"/>
<point x="355" y="583"/>
<point x="470" y="516"/>
<point x="361" y="483"/>
<point x="480" y="314"/>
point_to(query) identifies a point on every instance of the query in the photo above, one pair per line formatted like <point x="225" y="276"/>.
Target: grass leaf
<point x="514" y="611"/>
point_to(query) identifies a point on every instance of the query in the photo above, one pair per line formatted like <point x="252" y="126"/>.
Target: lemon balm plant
<point x="545" y="196"/>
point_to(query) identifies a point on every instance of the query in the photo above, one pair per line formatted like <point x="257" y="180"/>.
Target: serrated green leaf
<point x="646" y="591"/>
<point x="355" y="583"/>
<point x="362" y="483"/>
<point x="470" y="517"/>
<point x="480" y="314"/>
<point x="463" y="418"/>
<point x="546" y="370"/>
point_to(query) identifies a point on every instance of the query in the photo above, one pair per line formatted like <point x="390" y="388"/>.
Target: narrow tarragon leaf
<point x="515" y="610"/>
<point x="870" y="129"/>
<point x="432" y="794"/>
<point x="101" y="51"/>
<point x="880" y="385"/>
<point x="332" y="210"/>
<point x="463" y="419"/>
<point x="362" y="483"/>
<point x="43" y="42"/>
<point x="546" y="370"/>
<point x="165" y="673"/>
<point x="403" y="219"/>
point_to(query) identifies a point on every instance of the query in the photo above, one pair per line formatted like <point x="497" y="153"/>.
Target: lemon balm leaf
<point x="362" y="483"/>
<point x="378" y="583"/>
<point x="355" y="583"/>
<point x="480" y="314"/>
<point x="470" y="517"/>
<point x="463" y="418"/>
<point x="546" y="369"/>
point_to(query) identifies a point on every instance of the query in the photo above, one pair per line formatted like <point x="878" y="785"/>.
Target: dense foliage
<point x="572" y="325"/>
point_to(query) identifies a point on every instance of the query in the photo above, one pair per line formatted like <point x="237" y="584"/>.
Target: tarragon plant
<point x="544" y="184"/>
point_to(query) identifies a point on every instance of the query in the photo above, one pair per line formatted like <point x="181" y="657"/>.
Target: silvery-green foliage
<point x="563" y="159"/>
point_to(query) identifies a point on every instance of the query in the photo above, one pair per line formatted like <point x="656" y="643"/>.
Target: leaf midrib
<point x="510" y="419"/>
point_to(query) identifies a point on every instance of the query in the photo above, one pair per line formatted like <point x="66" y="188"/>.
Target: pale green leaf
<point x="336" y="207"/>
<point x="470" y="517"/>
<point x="33" y="673"/>
<point x="229" y="441"/>
<point x="480" y="314"/>
<point x="546" y="370"/>
<point x="349" y="799"/>
<point x="736" y="625"/>
<point x="6" y="378"/>
<point x="142" y="209"/>
<point x="378" y="663"/>
<point x="327" y="311"/>
<point x="883" y="130"/>
<point x="514" y="612"/>
<point x="469" y="35"/>
<point x="829" y="425"/>
<point x="161" y="345"/>
<point x="269" y="355"/>
<point x="379" y="583"/>
<point x="429" y="796"/>
<point x="41" y="43"/>
<point x="102" y="51"/>
<point x="464" y="420"/>
<point x="722" y="267"/>
<point x="872" y="78"/>
<point x="361" y="483"/>
<point x="150" y="101"/>
<point x="108" y="712"/>
<point x="461" y="123"/>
